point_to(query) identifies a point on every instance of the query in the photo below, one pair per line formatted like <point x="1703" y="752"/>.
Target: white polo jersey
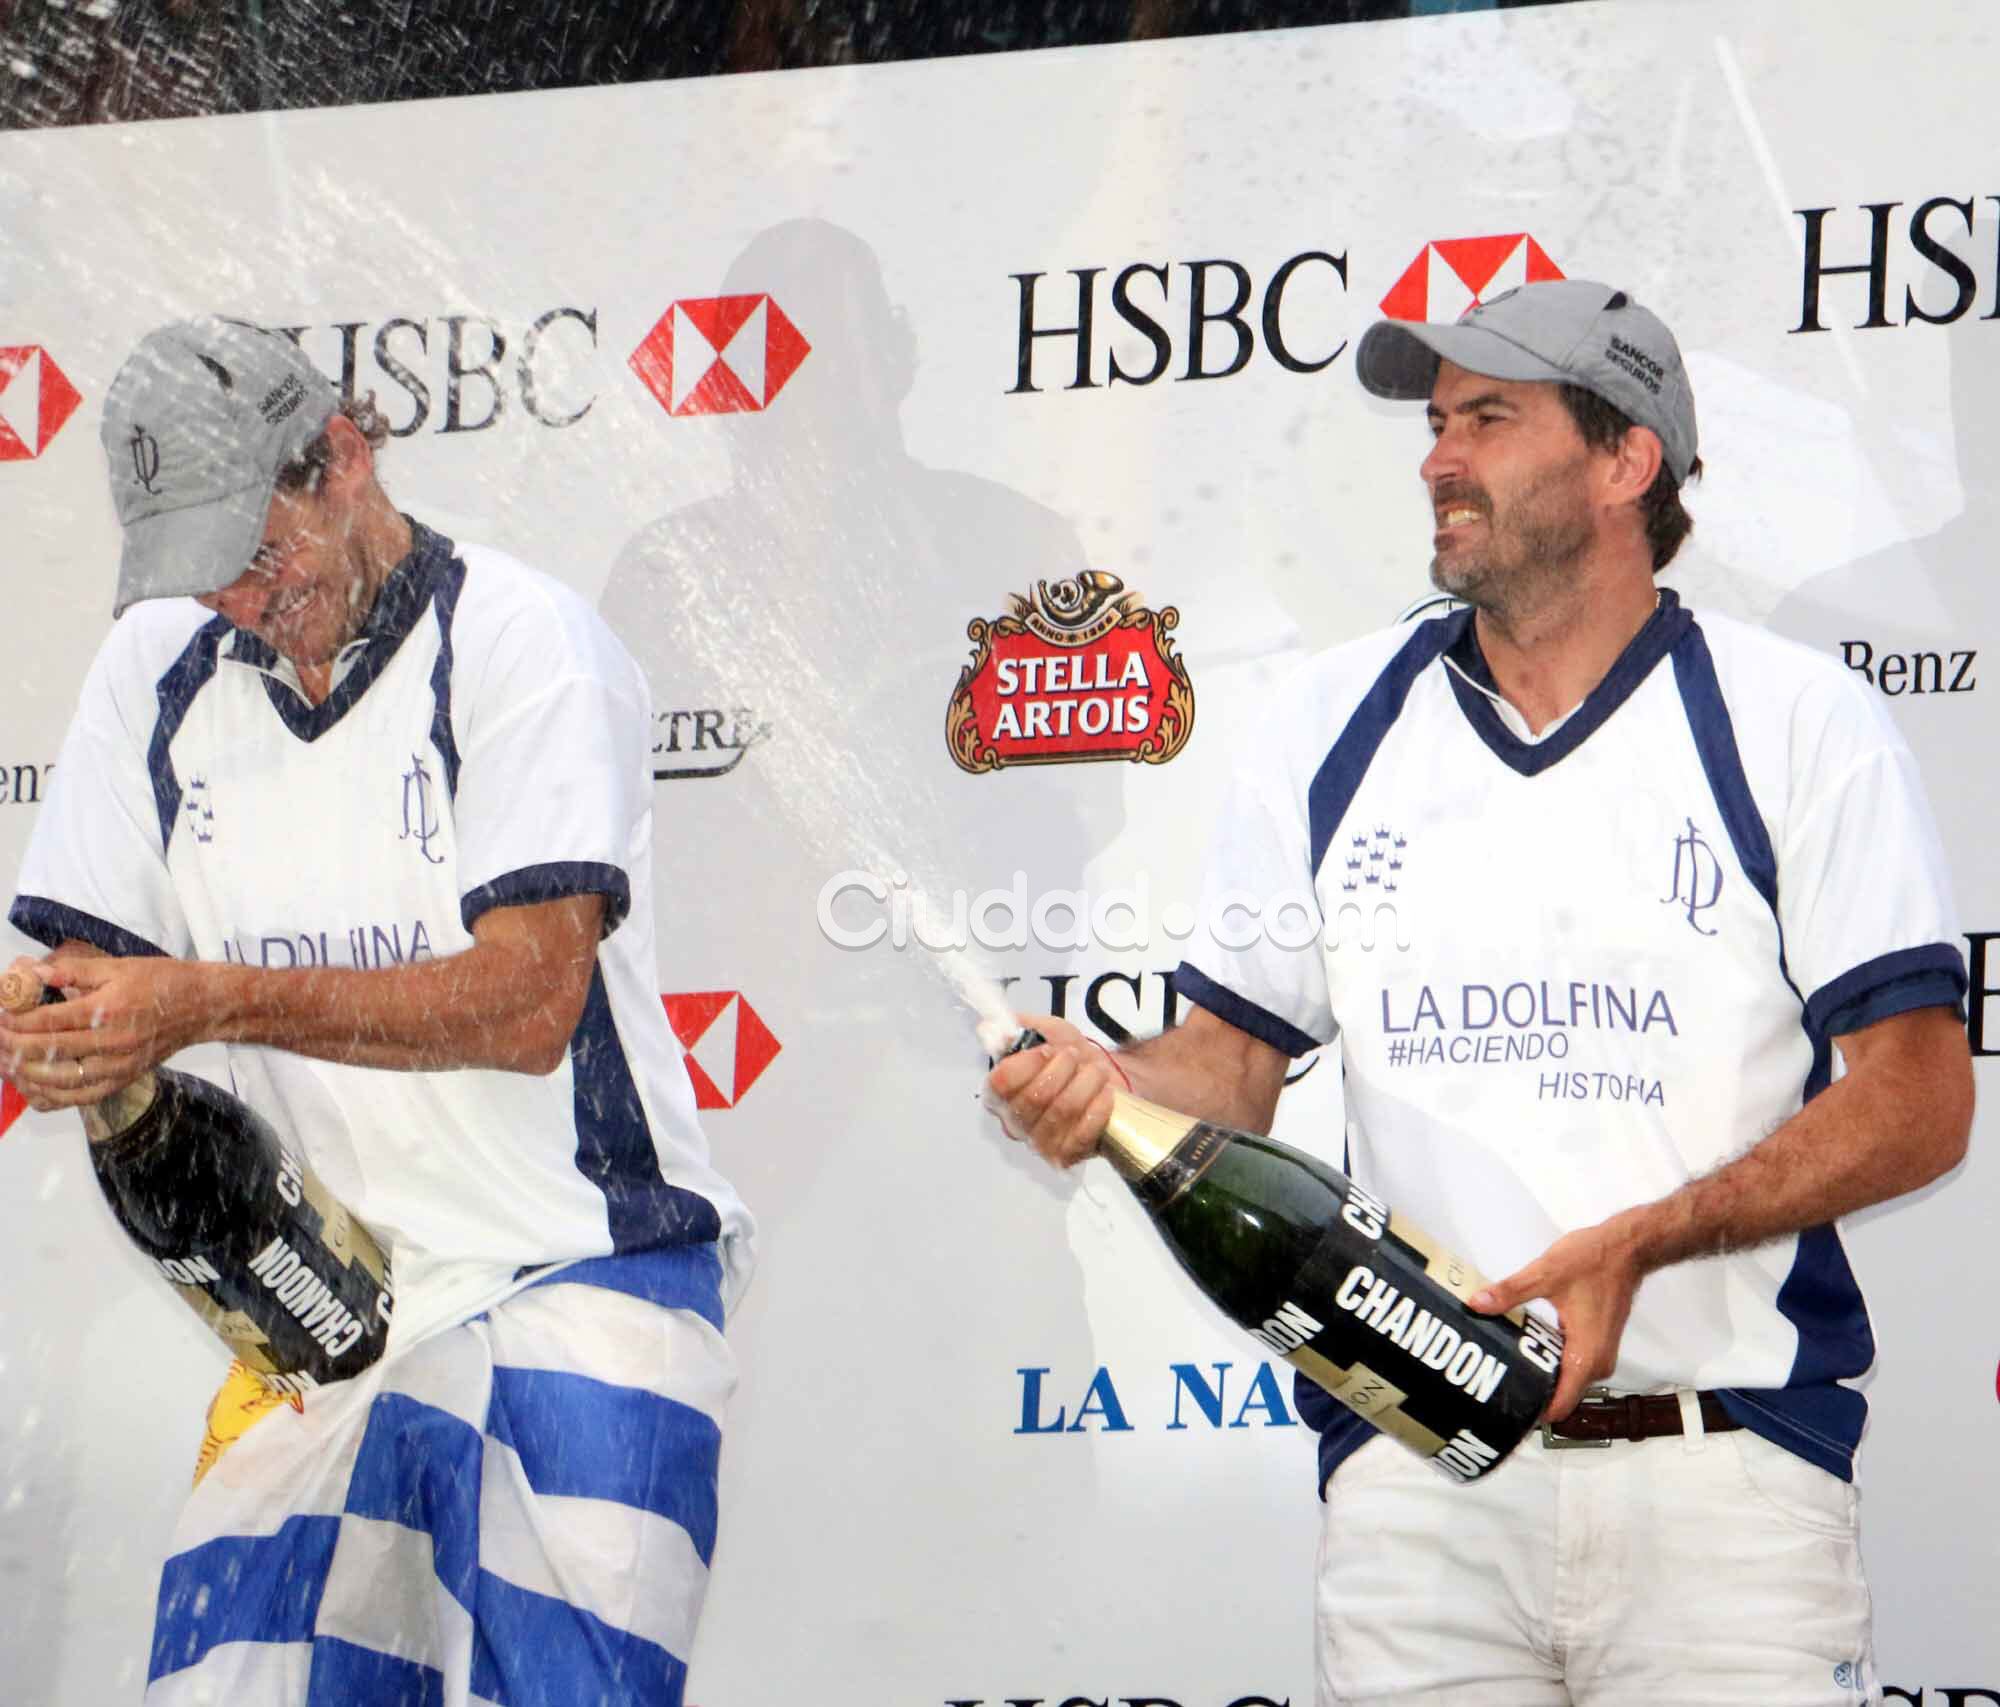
<point x="485" y="744"/>
<point x="1571" y="974"/>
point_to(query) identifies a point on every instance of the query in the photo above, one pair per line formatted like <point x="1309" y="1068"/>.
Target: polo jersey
<point x="1569" y="975"/>
<point x="485" y="744"/>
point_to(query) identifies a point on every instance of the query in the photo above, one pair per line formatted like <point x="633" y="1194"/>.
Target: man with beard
<point x="1605" y="890"/>
<point x="369" y="809"/>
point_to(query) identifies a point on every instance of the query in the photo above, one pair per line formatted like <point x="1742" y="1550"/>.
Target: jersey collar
<point x="404" y="596"/>
<point x="1473" y="686"/>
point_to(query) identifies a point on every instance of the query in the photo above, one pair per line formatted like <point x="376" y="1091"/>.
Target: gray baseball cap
<point x="1563" y="331"/>
<point x="196" y="426"/>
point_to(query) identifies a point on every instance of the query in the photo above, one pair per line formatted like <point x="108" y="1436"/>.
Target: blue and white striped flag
<point x="519" y="1510"/>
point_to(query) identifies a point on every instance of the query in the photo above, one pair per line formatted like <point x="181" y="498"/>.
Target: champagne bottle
<point x="297" y="1288"/>
<point x="1331" y="1279"/>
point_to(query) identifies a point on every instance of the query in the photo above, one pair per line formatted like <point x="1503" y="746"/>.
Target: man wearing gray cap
<point x="372" y="811"/>
<point x="1654" y="873"/>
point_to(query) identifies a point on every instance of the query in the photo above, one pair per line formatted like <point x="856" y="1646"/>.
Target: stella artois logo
<point x="1080" y="670"/>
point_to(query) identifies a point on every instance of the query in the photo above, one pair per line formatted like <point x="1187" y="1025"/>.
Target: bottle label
<point x="311" y="1299"/>
<point x="1192" y="1157"/>
<point x="194" y="1270"/>
<point x="248" y="1235"/>
<point x="1376" y="1316"/>
<point x="1447" y="1268"/>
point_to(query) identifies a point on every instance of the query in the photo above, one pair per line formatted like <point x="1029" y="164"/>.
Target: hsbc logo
<point x="728" y="1045"/>
<point x="1941" y="232"/>
<point x="12" y="1105"/>
<point x="36" y="398"/>
<point x="1193" y="311"/>
<point x="1455" y="274"/>
<point x="465" y="372"/>
<point x="719" y="355"/>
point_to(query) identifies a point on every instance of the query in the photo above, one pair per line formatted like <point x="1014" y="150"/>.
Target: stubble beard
<point x="1530" y="557"/>
<point x="362" y="587"/>
<point x="346" y="603"/>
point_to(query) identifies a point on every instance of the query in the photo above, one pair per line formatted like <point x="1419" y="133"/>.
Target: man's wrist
<point x="1658" y="1234"/>
<point x="1117" y="1066"/>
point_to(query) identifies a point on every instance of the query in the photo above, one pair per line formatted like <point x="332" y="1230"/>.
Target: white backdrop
<point x="989" y="1446"/>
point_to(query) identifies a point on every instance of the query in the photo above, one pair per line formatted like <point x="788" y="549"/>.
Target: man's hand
<point x="1895" y="1121"/>
<point x="122" y="1017"/>
<point x="1056" y="1096"/>
<point x="1591" y="1276"/>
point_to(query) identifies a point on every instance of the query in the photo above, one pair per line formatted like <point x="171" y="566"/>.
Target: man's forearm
<point x="1208" y="1069"/>
<point x="1897" y="1121"/>
<point x="510" y="1001"/>
<point x="489" y="1006"/>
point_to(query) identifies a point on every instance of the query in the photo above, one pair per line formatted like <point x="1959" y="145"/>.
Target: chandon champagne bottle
<point x="297" y="1288"/>
<point x="1336" y="1282"/>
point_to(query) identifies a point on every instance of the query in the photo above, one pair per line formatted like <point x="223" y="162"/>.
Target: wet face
<point x="1511" y="490"/>
<point x="306" y="589"/>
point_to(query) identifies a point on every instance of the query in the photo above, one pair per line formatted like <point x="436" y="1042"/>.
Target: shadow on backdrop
<point x="821" y="600"/>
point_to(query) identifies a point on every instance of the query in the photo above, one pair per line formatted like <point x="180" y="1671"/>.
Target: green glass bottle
<point x="238" y="1225"/>
<point x="1331" y="1279"/>
<point x="242" y="1229"/>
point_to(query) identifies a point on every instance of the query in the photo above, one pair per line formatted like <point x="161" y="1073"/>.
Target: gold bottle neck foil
<point x="1159" y="1152"/>
<point x="1141" y="1135"/>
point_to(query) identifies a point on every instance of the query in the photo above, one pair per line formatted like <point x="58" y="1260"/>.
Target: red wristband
<point x="1112" y="1057"/>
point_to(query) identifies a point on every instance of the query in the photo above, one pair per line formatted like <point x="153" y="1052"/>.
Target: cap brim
<point x="1399" y="358"/>
<point x="199" y="549"/>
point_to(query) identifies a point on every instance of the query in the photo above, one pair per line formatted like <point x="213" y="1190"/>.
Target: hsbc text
<point x="1204" y="301"/>
<point x="1933" y="253"/>
<point x="463" y="371"/>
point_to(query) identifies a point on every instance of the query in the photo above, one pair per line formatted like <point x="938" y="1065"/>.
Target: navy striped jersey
<point x="485" y="744"/>
<point x="1570" y="973"/>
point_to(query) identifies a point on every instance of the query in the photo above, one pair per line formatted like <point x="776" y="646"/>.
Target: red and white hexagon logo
<point x="12" y="1105"/>
<point x="719" y="355"/>
<point x="727" y="1044"/>
<point x="36" y="398"/>
<point x="1457" y="273"/>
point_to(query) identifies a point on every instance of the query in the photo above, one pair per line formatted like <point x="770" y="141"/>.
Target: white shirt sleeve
<point x="96" y="865"/>
<point x="1863" y="891"/>
<point x="1255" y="958"/>
<point x="553" y="784"/>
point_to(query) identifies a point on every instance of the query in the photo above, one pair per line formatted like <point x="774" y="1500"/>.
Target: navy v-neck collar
<point x="1652" y="643"/>
<point x="403" y="598"/>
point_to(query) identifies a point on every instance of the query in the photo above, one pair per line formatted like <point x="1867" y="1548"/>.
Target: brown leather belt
<point x="1605" y="1417"/>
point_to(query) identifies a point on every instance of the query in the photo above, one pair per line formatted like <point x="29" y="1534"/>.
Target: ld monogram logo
<point x="420" y="823"/>
<point x="145" y="459"/>
<point x="1697" y="877"/>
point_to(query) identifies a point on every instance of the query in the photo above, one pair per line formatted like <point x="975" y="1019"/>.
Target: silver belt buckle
<point x="1561" y="1443"/>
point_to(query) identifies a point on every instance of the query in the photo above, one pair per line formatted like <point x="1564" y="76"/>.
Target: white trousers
<point x="1718" y="1571"/>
